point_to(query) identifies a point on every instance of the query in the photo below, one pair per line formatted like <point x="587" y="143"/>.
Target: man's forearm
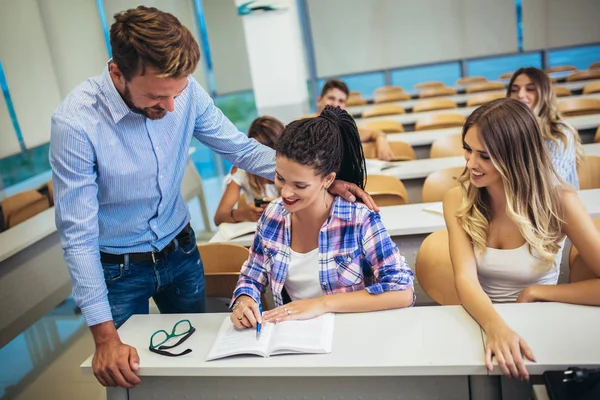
<point x="104" y="332"/>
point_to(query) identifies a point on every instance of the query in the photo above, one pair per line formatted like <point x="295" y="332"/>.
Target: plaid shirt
<point x="351" y="241"/>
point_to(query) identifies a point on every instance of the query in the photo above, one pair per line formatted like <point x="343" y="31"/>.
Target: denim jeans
<point x="176" y="283"/>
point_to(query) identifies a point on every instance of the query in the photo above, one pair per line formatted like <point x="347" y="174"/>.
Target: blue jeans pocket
<point x="191" y="246"/>
<point x="112" y="272"/>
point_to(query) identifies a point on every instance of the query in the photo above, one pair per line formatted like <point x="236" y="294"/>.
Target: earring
<point x="325" y="189"/>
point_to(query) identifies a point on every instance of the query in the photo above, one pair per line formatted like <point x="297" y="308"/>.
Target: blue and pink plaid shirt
<point x="352" y="240"/>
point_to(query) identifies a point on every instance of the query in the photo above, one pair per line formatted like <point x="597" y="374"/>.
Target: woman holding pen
<point x="329" y="255"/>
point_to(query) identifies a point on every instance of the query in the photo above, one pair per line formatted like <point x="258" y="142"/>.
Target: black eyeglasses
<point x="183" y="329"/>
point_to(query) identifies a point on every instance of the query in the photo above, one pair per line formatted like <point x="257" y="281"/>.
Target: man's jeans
<point x="176" y="283"/>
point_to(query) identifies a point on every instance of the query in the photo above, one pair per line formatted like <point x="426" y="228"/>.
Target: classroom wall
<point x="555" y="23"/>
<point x="353" y="36"/>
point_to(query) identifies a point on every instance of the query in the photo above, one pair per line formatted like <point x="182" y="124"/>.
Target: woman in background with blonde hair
<point x="507" y="223"/>
<point x="266" y="130"/>
<point x="534" y="88"/>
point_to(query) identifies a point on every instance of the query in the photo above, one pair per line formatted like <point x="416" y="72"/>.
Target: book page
<point x="309" y="336"/>
<point x="231" y="341"/>
<point x="231" y="231"/>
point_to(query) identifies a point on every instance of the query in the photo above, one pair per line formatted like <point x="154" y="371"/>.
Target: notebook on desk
<point x="231" y="231"/>
<point x="313" y="336"/>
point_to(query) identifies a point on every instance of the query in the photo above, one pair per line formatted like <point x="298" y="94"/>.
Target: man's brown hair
<point x="334" y="84"/>
<point x="146" y="36"/>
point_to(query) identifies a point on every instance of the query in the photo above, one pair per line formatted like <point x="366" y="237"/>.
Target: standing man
<point x="119" y="145"/>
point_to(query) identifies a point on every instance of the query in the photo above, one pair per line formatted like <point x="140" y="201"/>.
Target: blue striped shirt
<point x="117" y="176"/>
<point x="564" y="158"/>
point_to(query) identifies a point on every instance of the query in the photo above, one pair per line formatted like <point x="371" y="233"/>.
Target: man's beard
<point x="148" y="112"/>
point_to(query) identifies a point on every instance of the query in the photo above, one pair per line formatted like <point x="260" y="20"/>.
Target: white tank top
<point x="503" y="274"/>
<point x="302" y="280"/>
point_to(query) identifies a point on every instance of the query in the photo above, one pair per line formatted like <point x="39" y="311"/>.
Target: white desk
<point x="27" y="233"/>
<point x="572" y="86"/>
<point x="411" y="118"/>
<point x="405" y="220"/>
<point x="427" y="137"/>
<point x="560" y="335"/>
<point x="379" y="352"/>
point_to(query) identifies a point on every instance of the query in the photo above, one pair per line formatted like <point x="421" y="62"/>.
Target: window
<point x="580" y="57"/>
<point x="493" y="67"/>
<point x="407" y="78"/>
<point x="364" y="83"/>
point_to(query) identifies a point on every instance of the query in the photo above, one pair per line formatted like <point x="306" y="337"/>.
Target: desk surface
<point x="415" y="219"/>
<point x="560" y="335"/>
<point x="25" y="234"/>
<point x="408" y="219"/>
<point x="421" y="168"/>
<point x="411" y="118"/>
<point x="426" y="137"/>
<point x="395" y="342"/>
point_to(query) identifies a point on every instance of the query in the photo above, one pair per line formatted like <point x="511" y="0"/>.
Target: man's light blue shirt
<point x="117" y="176"/>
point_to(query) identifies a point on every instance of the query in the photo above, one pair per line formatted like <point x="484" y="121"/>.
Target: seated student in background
<point x="335" y="93"/>
<point x="266" y="130"/>
<point x="534" y="88"/>
<point x="507" y="223"/>
<point x="315" y="245"/>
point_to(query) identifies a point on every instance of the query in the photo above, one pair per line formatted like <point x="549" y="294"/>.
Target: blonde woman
<point x="533" y="87"/>
<point x="507" y="223"/>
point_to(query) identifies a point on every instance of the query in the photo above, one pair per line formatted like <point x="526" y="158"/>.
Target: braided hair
<point x="328" y="143"/>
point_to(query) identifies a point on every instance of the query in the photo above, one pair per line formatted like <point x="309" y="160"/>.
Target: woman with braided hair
<point x="328" y="254"/>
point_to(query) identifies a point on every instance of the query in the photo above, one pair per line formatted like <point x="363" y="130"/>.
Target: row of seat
<point x="433" y="268"/>
<point x="24" y="205"/>
<point x="389" y="191"/>
<point x="472" y="84"/>
<point x="568" y="107"/>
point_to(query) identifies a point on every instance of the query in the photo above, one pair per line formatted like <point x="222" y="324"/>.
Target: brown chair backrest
<point x="584" y="75"/>
<point x="578" y="269"/>
<point x="595" y="65"/>
<point x="439" y="182"/>
<point x="561" y="91"/>
<point x="222" y="264"/>
<point x="355" y="101"/>
<point x="571" y="107"/>
<point x="439" y="121"/>
<point x="402" y="151"/>
<point x="387" y="89"/>
<point x="597" y="136"/>
<point x="482" y="98"/>
<point x="560" y="68"/>
<point x="434" y="104"/>
<point x="593" y="87"/>
<point x="386" y="190"/>
<point x="469" y="80"/>
<point x="51" y="193"/>
<point x="385" y="126"/>
<point x="437" y="92"/>
<point x="355" y="93"/>
<point x="391" y="97"/>
<point x="447" y="146"/>
<point x="485" y="87"/>
<point x="22" y="206"/>
<point x="430" y="84"/>
<point x="434" y="270"/>
<point x="383" y="109"/>
<point x="589" y="173"/>
<point x="506" y="75"/>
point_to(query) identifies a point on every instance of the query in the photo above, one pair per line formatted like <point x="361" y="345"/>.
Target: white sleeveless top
<point x="302" y="280"/>
<point x="503" y="274"/>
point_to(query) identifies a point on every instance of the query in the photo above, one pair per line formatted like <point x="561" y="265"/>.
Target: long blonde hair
<point x="552" y="125"/>
<point x="511" y="136"/>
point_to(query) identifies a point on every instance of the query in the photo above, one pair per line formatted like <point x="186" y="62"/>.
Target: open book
<point x="231" y="231"/>
<point x="289" y="337"/>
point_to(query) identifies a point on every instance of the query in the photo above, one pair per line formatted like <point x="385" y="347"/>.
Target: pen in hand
<point x="259" y="322"/>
